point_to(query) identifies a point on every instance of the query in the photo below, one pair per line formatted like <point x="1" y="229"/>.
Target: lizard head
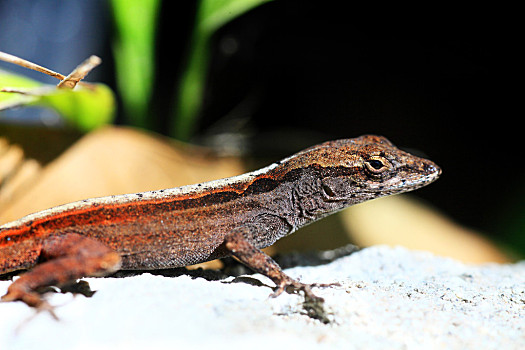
<point x="340" y="173"/>
<point x="374" y="165"/>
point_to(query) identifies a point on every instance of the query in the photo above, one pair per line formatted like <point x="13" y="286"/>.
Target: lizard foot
<point x="30" y="298"/>
<point x="313" y="305"/>
<point x="292" y="286"/>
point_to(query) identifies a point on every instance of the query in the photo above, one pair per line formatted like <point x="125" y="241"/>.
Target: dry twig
<point x="65" y="82"/>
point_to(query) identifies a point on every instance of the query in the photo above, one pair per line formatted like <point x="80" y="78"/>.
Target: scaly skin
<point x="182" y="226"/>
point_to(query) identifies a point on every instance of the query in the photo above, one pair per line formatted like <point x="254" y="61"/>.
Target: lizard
<point x="236" y="216"/>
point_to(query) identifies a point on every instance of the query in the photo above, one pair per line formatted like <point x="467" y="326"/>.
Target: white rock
<point x="389" y="298"/>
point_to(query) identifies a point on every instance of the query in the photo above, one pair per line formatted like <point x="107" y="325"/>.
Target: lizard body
<point x="186" y="225"/>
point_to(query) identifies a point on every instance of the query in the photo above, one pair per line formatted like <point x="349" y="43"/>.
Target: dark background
<point x="290" y="74"/>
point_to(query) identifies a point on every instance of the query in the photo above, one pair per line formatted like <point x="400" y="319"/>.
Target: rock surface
<point x="388" y="298"/>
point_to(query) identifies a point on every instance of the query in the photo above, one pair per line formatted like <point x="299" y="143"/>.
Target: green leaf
<point x="213" y="14"/>
<point x="84" y="108"/>
<point x="134" y="48"/>
<point x="10" y="80"/>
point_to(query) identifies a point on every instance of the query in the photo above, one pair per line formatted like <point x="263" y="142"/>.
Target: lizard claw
<point x="325" y="285"/>
<point x="46" y="307"/>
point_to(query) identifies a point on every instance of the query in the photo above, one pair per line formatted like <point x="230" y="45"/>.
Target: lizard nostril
<point x="431" y="168"/>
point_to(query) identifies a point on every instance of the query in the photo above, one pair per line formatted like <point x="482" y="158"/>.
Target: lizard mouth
<point x="418" y="180"/>
<point x="414" y="181"/>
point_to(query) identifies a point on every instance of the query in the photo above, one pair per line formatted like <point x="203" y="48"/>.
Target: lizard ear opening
<point x="327" y="190"/>
<point x="336" y="188"/>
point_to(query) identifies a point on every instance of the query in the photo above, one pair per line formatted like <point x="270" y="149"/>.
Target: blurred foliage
<point x="12" y="80"/>
<point x="510" y="223"/>
<point x="83" y="108"/>
<point x="211" y="15"/>
<point x="134" y="49"/>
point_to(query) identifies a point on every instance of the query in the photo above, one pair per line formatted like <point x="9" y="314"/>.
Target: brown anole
<point x="176" y="227"/>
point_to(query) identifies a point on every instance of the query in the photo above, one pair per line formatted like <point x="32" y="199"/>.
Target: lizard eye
<point x="377" y="165"/>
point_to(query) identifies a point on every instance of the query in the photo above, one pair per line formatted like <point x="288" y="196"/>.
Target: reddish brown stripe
<point x="98" y="214"/>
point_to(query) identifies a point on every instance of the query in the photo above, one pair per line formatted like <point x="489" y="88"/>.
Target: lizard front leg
<point x="66" y="258"/>
<point x="240" y="246"/>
